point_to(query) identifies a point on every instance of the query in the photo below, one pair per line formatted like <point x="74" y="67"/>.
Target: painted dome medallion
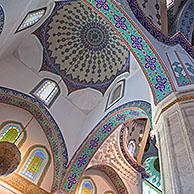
<point x="81" y="47"/>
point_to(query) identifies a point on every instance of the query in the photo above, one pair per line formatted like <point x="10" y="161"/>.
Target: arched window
<point x="131" y="147"/>
<point x="47" y="91"/>
<point x="36" y="164"/>
<point x="31" y="19"/>
<point x="116" y="94"/>
<point x="11" y="131"/>
<point x="87" y="186"/>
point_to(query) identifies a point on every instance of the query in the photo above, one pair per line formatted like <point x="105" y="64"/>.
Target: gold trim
<point x="86" y="177"/>
<point x="108" y="192"/>
<point x="179" y="99"/>
<point x="23" y="185"/>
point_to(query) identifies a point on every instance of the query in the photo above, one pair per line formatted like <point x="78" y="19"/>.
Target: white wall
<point x="35" y="136"/>
<point x="16" y="75"/>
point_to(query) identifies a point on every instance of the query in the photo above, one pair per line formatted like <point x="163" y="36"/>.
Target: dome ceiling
<point x="82" y="48"/>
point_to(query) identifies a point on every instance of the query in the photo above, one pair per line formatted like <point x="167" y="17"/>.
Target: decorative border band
<point x="48" y="124"/>
<point x="98" y="135"/>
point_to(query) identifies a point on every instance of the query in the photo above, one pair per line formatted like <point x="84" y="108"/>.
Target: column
<point x="174" y="125"/>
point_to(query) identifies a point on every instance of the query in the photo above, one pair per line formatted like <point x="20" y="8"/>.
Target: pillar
<point x="174" y="126"/>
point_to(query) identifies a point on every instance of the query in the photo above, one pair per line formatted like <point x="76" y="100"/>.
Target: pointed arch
<point x="98" y="135"/>
<point x="113" y="176"/>
<point x="150" y="62"/>
<point x="135" y="40"/>
<point x="35" y="164"/>
<point x="87" y="185"/>
<point x="47" y="123"/>
<point x="10" y="131"/>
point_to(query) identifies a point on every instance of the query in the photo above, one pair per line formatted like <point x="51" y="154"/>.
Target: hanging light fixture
<point x="10" y="155"/>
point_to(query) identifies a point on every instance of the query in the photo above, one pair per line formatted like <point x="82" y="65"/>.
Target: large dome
<point x="82" y="48"/>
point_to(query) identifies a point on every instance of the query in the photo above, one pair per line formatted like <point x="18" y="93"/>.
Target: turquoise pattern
<point x="154" y="178"/>
<point x="98" y="135"/>
<point x="190" y="69"/>
<point x="158" y="76"/>
<point x="180" y="74"/>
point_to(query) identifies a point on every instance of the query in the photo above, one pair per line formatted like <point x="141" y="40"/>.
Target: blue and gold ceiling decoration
<point x="82" y="48"/>
<point x="2" y="19"/>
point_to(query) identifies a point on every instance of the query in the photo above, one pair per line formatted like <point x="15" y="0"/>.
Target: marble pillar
<point x="174" y="126"/>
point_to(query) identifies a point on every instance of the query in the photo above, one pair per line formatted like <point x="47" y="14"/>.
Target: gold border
<point x="109" y="192"/>
<point x="179" y="99"/>
<point x="19" y="145"/>
<point x="86" y="177"/>
<point x="26" y="156"/>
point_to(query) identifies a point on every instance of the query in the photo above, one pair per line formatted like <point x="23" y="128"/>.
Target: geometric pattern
<point x="114" y="177"/>
<point x="98" y="135"/>
<point x="2" y="18"/>
<point x="179" y="38"/>
<point x="150" y="62"/>
<point x="185" y="21"/>
<point x="82" y="48"/>
<point x="47" y="123"/>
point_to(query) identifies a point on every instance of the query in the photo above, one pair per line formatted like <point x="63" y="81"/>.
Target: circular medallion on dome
<point x="94" y="36"/>
<point x="81" y="47"/>
<point x="2" y="18"/>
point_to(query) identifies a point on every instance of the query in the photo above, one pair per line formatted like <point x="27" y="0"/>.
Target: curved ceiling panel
<point x="82" y="48"/>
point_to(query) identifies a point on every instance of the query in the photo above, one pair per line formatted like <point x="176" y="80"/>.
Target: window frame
<point x="45" y="168"/>
<point x="120" y="82"/>
<point x="87" y="178"/>
<point x="31" y="12"/>
<point x="22" y="138"/>
<point x="38" y="86"/>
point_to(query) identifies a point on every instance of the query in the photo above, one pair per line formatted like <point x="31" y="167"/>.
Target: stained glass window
<point x="35" y="164"/>
<point x="87" y="187"/>
<point x="47" y="91"/>
<point x="11" y="132"/>
<point x="31" y="19"/>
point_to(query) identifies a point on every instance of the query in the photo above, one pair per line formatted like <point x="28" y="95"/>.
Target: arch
<point x="98" y="135"/>
<point x="150" y="62"/>
<point x="42" y="155"/>
<point x="48" y="124"/>
<point x="88" y="181"/>
<point x="16" y="128"/>
<point x="178" y="38"/>
<point x="2" y="19"/>
<point x="46" y="91"/>
<point x="113" y="176"/>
